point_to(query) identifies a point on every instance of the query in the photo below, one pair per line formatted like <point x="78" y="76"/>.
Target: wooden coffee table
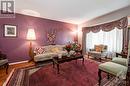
<point x="58" y="61"/>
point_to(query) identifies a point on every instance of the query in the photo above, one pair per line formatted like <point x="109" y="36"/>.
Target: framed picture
<point x="10" y="31"/>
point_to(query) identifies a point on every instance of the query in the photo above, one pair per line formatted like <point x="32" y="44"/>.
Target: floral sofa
<point x="42" y="53"/>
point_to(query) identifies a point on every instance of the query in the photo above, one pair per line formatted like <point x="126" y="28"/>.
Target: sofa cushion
<point x="119" y="60"/>
<point x="112" y="68"/>
<point x="55" y="50"/>
<point x="44" y="56"/>
<point x="48" y="48"/>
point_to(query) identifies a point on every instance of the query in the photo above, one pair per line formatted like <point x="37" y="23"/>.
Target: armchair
<point x="99" y="51"/>
<point x="112" y="68"/>
<point x="3" y="62"/>
<point x="117" y="67"/>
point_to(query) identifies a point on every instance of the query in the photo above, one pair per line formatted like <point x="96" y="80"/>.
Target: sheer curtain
<point x="113" y="39"/>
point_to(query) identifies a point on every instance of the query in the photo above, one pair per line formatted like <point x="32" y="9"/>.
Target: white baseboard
<point x="18" y="62"/>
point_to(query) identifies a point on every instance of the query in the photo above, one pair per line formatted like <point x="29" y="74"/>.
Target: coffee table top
<point x="65" y="58"/>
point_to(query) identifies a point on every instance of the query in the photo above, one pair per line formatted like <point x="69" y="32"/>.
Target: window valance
<point x="120" y="24"/>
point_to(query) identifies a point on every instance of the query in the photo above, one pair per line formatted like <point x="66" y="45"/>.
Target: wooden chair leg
<point x="108" y="76"/>
<point x="105" y="57"/>
<point x="99" y="77"/>
<point x="7" y="66"/>
<point x="127" y="79"/>
<point x="53" y="64"/>
<point x="58" y="68"/>
<point x="88" y="56"/>
<point x="100" y="59"/>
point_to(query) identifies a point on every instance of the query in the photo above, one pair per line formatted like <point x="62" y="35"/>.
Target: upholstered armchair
<point x="117" y="67"/>
<point x="4" y="62"/>
<point x="99" y="51"/>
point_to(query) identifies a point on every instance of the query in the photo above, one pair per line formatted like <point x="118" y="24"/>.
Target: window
<point x="113" y="39"/>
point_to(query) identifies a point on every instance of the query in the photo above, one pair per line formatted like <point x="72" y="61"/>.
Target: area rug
<point x="113" y="81"/>
<point x="71" y="74"/>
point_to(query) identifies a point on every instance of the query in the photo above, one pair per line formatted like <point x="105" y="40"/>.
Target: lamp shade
<point x="31" y="34"/>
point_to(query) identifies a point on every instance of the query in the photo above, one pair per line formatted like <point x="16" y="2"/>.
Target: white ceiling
<point x="72" y="11"/>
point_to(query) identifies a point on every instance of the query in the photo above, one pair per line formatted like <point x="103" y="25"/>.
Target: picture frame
<point x="10" y="31"/>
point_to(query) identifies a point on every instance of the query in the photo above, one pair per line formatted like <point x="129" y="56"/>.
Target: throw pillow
<point x="39" y="50"/>
<point x="102" y="47"/>
<point x="98" y="48"/>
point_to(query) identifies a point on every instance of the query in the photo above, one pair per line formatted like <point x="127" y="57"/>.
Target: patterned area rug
<point x="113" y="81"/>
<point x="71" y="74"/>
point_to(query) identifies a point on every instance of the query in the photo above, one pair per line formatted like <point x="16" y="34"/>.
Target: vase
<point x="68" y="53"/>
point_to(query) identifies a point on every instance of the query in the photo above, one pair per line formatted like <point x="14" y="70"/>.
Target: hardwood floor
<point x="3" y="75"/>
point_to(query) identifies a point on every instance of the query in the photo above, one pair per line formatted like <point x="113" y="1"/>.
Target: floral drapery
<point x="120" y="24"/>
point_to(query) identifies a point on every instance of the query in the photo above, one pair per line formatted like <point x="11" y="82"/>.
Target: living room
<point x="63" y="43"/>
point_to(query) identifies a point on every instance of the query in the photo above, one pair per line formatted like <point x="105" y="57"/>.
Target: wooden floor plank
<point x="3" y="75"/>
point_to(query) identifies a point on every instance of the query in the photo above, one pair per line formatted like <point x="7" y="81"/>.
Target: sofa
<point x="42" y="53"/>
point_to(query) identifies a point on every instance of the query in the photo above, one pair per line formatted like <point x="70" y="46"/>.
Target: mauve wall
<point x="17" y="48"/>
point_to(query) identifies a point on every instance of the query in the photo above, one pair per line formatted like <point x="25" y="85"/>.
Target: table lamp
<point x="31" y="37"/>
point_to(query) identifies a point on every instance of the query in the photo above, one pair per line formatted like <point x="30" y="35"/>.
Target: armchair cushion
<point x="95" y="54"/>
<point x="112" y="68"/>
<point x="120" y="60"/>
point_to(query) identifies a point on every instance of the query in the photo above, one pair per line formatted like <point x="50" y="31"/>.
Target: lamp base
<point x="30" y="52"/>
